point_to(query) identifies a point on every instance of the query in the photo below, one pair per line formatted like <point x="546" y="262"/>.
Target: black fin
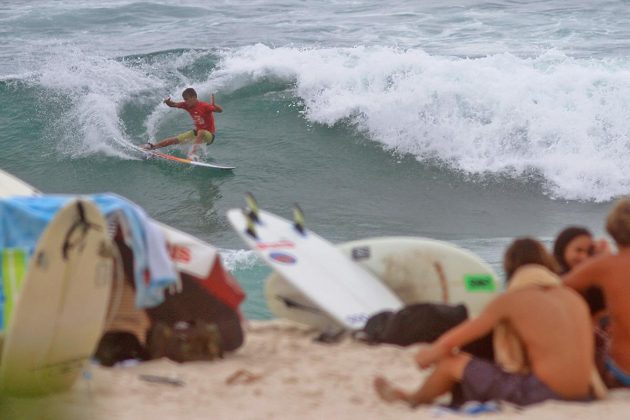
<point x="250" y="229"/>
<point x="253" y="207"/>
<point x="298" y="219"/>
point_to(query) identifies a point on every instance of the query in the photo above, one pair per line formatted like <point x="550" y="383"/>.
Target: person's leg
<point x="163" y="143"/>
<point x="185" y="137"/>
<point x="202" y="136"/>
<point x="447" y="373"/>
<point x="192" y="153"/>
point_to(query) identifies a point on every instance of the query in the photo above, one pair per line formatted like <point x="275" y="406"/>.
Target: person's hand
<point x="167" y="100"/>
<point x="427" y="355"/>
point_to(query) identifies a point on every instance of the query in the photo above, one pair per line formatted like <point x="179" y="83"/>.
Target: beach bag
<point x="185" y="341"/>
<point x="422" y="323"/>
<point x="118" y="346"/>
<point x="416" y="323"/>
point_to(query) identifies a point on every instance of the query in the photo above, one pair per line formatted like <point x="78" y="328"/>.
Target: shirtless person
<point x="553" y="324"/>
<point x="611" y="273"/>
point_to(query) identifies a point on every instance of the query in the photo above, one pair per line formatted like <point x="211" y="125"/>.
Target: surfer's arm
<point x="169" y="102"/>
<point x="462" y="334"/>
<point x="217" y="108"/>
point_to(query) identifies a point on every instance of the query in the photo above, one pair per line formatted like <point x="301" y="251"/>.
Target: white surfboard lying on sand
<point x="165" y="156"/>
<point x="347" y="293"/>
<point x="415" y="269"/>
<point x="59" y="311"/>
<point x="11" y="185"/>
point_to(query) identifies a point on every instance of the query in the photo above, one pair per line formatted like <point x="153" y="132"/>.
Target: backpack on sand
<point x="185" y="341"/>
<point x="421" y="323"/>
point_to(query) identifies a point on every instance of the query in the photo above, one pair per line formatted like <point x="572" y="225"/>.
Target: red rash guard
<point x="201" y="113"/>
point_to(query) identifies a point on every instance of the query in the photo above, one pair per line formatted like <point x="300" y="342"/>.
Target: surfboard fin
<point x="251" y="228"/>
<point x="253" y="207"/>
<point x="298" y="219"/>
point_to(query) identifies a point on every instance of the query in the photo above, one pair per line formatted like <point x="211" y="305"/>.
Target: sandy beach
<point x="280" y="373"/>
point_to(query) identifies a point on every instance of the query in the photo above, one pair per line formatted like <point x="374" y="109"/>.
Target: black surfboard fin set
<point x="252" y="216"/>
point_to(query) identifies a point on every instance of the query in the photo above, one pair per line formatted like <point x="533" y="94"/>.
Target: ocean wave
<point x="552" y="120"/>
<point x="555" y="117"/>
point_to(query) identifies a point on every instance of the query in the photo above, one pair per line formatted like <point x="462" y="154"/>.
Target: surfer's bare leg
<point x="193" y="149"/>
<point x="163" y="143"/>
<point x="192" y="154"/>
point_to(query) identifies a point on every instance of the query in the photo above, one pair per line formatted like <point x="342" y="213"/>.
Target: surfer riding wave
<point x="203" y="118"/>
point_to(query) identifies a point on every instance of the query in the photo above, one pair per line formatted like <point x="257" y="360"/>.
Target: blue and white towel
<point x="24" y="218"/>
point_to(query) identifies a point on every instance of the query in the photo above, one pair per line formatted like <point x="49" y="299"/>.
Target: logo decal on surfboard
<point x="279" y="244"/>
<point x="479" y="283"/>
<point x="282" y="257"/>
<point x="361" y="253"/>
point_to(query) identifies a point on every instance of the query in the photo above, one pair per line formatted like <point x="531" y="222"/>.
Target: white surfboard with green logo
<point x="415" y="269"/>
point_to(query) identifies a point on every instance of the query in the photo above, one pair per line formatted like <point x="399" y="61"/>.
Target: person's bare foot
<point x="386" y="391"/>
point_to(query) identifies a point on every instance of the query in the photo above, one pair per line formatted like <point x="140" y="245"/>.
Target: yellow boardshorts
<point x="189" y="136"/>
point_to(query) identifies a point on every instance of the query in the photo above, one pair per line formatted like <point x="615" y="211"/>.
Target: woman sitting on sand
<point x="552" y="357"/>
<point x="573" y="246"/>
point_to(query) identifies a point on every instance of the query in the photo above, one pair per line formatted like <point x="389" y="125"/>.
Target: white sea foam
<point x="93" y="89"/>
<point x="555" y="117"/>
<point x="239" y="259"/>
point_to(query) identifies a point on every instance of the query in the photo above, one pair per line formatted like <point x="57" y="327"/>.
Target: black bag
<point x="185" y="341"/>
<point x="421" y="323"/>
<point x="416" y="323"/>
<point x="117" y="346"/>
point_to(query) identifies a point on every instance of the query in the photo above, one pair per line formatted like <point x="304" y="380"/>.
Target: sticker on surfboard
<point x="479" y="283"/>
<point x="165" y="156"/>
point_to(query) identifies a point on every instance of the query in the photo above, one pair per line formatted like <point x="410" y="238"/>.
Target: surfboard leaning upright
<point x="59" y="311"/>
<point x="344" y="291"/>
